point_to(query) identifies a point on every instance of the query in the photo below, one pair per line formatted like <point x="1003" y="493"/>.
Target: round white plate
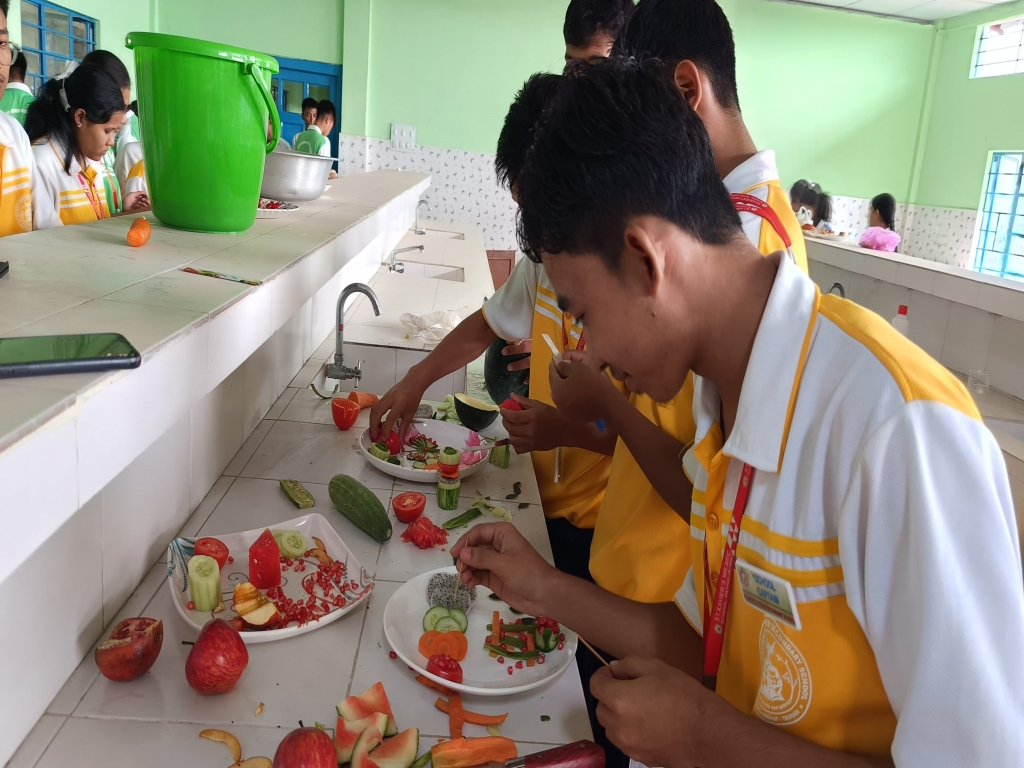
<point x="824" y="236"/>
<point x="444" y="434"/>
<point x="481" y="674"/>
<point x="179" y="552"/>
<point x="273" y="213"/>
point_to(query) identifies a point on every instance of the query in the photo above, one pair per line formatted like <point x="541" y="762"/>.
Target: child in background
<point x="591" y="27"/>
<point x="808" y="196"/>
<point x="879" y="236"/>
<point x="20" y="201"/>
<point x="18" y="96"/>
<point x="72" y="125"/>
<point x="308" y="116"/>
<point x="313" y="140"/>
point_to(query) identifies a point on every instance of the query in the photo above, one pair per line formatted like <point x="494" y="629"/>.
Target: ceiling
<point x="922" y="10"/>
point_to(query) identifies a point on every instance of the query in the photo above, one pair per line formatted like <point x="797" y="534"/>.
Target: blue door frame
<point x="299" y="76"/>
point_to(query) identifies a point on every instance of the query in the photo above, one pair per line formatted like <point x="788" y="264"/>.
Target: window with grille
<point x="51" y="36"/>
<point x="1000" y="244"/>
<point x="1000" y="49"/>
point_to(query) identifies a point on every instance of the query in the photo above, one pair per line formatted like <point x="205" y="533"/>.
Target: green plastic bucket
<point x="204" y="109"/>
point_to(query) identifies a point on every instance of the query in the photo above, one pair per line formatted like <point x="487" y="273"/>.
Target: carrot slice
<point x="463" y="646"/>
<point x="139" y="232"/>
<point x="427" y="641"/>
<point x="456" y="720"/>
<point x="463" y="753"/>
<point x="474" y="718"/>
<point x="426" y="681"/>
<point x="495" y="631"/>
<point x="530" y="647"/>
<point x="363" y="399"/>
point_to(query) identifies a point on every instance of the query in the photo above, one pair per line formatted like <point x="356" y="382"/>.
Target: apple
<point x="131" y="650"/>
<point x="254" y="607"/>
<point x="217" y="660"/>
<point x="306" y="748"/>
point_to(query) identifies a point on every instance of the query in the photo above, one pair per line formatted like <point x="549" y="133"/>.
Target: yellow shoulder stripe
<point x="918" y="376"/>
<point x="787" y="544"/>
<point x="816" y="578"/>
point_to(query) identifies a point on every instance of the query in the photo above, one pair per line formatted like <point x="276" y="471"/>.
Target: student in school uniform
<point x="313" y="140"/>
<point x="851" y="614"/>
<point x="591" y="27"/>
<point x="17" y="96"/>
<point x="21" y="204"/>
<point x="72" y="125"/>
<point x="308" y="116"/>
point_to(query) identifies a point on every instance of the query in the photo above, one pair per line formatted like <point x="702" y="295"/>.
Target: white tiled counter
<point x="100" y="470"/>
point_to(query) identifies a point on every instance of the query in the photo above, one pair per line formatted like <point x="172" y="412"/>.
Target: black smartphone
<point x="73" y="353"/>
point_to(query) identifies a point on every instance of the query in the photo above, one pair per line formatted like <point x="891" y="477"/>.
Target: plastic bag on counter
<point x="433" y="327"/>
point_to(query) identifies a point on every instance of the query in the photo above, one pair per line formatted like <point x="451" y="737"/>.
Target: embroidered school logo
<point x="784" y="695"/>
<point x="23" y="212"/>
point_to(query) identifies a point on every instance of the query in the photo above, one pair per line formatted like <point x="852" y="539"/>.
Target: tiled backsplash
<point x="465" y="188"/>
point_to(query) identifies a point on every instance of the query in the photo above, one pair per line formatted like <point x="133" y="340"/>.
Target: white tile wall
<point x="1005" y="361"/>
<point x="968" y="335"/>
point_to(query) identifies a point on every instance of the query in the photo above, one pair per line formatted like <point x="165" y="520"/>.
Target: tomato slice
<point x="445" y="667"/>
<point x="213" y="548"/>
<point x="409" y="506"/>
<point x="394" y="443"/>
<point x="345" y="412"/>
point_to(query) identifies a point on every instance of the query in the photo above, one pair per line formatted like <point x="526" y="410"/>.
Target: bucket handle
<point x="257" y="74"/>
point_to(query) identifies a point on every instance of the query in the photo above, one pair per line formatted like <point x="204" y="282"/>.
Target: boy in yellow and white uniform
<point x="20" y="202"/>
<point x="130" y="169"/>
<point x="875" y="608"/>
<point x="77" y="196"/>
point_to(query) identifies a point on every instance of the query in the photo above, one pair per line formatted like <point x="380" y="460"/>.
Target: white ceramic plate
<point x="444" y="434"/>
<point x="824" y="236"/>
<point x="482" y="675"/>
<point x="180" y="551"/>
<point x="273" y="213"/>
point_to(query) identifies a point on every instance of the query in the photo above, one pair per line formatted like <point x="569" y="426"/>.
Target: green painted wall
<point x="968" y="118"/>
<point x="838" y="96"/>
<point x="355" y="74"/>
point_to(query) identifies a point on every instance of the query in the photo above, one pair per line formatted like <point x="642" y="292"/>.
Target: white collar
<point x="773" y="373"/>
<point x="20" y="87"/>
<point x="316" y="128"/>
<point x="751" y="172"/>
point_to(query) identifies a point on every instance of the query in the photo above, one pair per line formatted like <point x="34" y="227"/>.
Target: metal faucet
<point x="397" y="266"/>
<point x="338" y="370"/>
<point x="416" y="230"/>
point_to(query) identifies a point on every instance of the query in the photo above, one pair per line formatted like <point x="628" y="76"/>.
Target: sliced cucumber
<point x="434" y="615"/>
<point x="460" y="617"/>
<point x="447" y="624"/>
<point x="419" y="465"/>
<point x="204" y="583"/>
<point x="299" y="496"/>
<point x="292" y="544"/>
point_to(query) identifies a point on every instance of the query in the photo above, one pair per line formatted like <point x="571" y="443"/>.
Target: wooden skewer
<point x="458" y="580"/>
<point x="599" y="656"/>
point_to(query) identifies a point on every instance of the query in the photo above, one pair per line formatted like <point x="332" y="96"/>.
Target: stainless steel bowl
<point x="294" y="177"/>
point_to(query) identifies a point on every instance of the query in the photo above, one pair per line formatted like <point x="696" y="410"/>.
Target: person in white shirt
<point x="856" y="596"/>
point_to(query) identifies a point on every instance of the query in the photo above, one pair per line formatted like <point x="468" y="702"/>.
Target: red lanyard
<point x="714" y="618"/>
<point x="716" y="614"/>
<point x="565" y="338"/>
<point x="90" y="193"/>
<point x="749" y="204"/>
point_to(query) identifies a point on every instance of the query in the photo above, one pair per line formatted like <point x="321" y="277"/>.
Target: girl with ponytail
<point x="72" y="125"/>
<point x="808" y="195"/>
<point x="879" y="236"/>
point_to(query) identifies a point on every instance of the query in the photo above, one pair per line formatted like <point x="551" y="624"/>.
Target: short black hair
<point x="686" y="30"/>
<point x="619" y="141"/>
<point x="5" y="6"/>
<point x="324" y="109"/>
<point x="885" y="204"/>
<point x="810" y="193"/>
<point x="520" y="126"/>
<point x="308" y="103"/>
<point x="586" y="18"/>
<point x="19" y="66"/>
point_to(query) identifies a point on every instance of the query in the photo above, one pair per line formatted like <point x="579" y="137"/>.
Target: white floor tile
<point x="307" y="407"/>
<point x="300" y="678"/>
<point x="36" y="742"/>
<point x="412" y="704"/>
<point x="312" y="453"/>
<point x="252" y="503"/>
<point x="281" y="403"/>
<point x="249" y="447"/>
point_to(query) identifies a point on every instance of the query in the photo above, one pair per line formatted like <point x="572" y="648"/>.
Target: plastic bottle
<point x="901" y="323"/>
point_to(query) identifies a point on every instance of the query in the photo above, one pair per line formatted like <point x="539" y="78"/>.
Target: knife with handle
<point x="580" y="754"/>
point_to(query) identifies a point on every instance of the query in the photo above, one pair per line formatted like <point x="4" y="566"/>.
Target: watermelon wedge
<point x="369" y="739"/>
<point x="347" y="733"/>
<point x="398" y="751"/>
<point x="367" y="703"/>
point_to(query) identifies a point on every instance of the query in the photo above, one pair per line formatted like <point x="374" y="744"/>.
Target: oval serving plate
<point x="441" y="432"/>
<point x="482" y="674"/>
<point x="356" y="586"/>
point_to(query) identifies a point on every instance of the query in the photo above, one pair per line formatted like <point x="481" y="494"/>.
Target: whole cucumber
<point x="359" y="504"/>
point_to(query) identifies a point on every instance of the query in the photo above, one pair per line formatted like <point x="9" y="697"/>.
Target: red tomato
<point x="424" y="534"/>
<point x="214" y="548"/>
<point x="409" y="506"/>
<point x="345" y="412"/>
<point x="445" y="667"/>
<point x="394" y="443"/>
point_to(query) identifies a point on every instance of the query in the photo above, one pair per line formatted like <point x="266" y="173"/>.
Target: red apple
<point x="217" y="659"/>
<point x="131" y="650"/>
<point x="306" y="748"/>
